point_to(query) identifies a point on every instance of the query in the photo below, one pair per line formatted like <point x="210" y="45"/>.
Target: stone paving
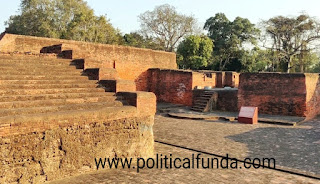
<point x="293" y="147"/>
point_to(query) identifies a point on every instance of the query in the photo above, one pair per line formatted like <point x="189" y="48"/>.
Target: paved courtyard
<point x="295" y="148"/>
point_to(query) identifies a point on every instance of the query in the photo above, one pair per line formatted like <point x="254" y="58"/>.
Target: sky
<point x="123" y="14"/>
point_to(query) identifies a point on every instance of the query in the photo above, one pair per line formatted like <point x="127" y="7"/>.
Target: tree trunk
<point x="289" y="64"/>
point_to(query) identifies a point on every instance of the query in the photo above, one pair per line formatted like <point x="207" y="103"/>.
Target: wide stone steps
<point x="31" y="86"/>
<point x="15" y="71"/>
<point x="201" y="102"/>
<point x="46" y="86"/>
<point x="42" y="77"/>
<point x="56" y="102"/>
<point x="26" y="67"/>
<point x="4" y="92"/>
<point x="11" y="98"/>
<point x="47" y="109"/>
<point x="39" y="82"/>
<point x="36" y="65"/>
<point x="34" y="61"/>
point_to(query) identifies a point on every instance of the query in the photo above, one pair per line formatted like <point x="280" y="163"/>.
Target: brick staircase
<point x="202" y="103"/>
<point x="36" y="85"/>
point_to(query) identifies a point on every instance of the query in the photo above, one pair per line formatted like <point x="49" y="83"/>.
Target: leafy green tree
<point x="291" y="37"/>
<point x="229" y="37"/>
<point x="135" y="39"/>
<point x="257" y="60"/>
<point x="194" y="52"/>
<point x="67" y="19"/>
<point x="166" y="25"/>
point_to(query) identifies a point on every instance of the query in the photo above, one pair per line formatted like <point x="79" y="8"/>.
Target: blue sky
<point x="123" y="13"/>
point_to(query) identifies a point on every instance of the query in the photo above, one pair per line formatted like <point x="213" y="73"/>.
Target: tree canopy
<point x="166" y="25"/>
<point x="229" y="37"/>
<point x="67" y="19"/>
<point x="136" y="39"/>
<point x="194" y="52"/>
<point x="291" y="37"/>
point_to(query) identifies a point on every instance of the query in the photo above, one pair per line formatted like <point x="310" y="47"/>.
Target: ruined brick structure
<point x="54" y="121"/>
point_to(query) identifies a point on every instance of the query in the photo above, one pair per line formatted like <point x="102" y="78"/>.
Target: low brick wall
<point x="280" y="94"/>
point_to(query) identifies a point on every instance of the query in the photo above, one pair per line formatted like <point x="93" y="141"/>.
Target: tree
<point x="166" y="25"/>
<point x="229" y="37"/>
<point x="257" y="60"/>
<point x="135" y="39"/>
<point x="67" y="19"/>
<point x="291" y="37"/>
<point x="194" y="52"/>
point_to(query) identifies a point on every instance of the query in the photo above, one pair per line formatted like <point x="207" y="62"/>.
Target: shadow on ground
<point x="297" y="148"/>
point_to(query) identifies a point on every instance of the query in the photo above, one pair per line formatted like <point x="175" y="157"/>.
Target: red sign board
<point x="248" y="115"/>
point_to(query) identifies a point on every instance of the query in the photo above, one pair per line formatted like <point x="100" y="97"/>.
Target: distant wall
<point x="175" y="86"/>
<point x="222" y="79"/>
<point x="273" y="93"/>
<point x="131" y="63"/>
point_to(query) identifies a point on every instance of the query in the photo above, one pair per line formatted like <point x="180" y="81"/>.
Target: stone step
<point x="11" y="98"/>
<point x="206" y="95"/>
<point x="197" y="109"/>
<point x="73" y="72"/>
<point x="209" y="92"/>
<point x="47" y="86"/>
<point x="42" y="77"/>
<point x="37" y="67"/>
<point x="201" y="100"/>
<point x="47" y="109"/>
<point x="200" y="104"/>
<point x="4" y="92"/>
<point x="57" y="102"/>
<point x="34" y="60"/>
<point x="39" y="82"/>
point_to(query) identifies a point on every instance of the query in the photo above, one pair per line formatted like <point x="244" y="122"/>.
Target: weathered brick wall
<point x="131" y="63"/>
<point x="38" y="157"/>
<point x="231" y="79"/>
<point x="222" y="79"/>
<point x="227" y="100"/>
<point x="46" y="147"/>
<point x="273" y="93"/>
<point x="174" y="86"/>
<point x="201" y="79"/>
<point x="313" y="95"/>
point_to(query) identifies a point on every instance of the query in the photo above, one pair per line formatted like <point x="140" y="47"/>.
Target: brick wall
<point x="131" y="63"/>
<point x="227" y="100"/>
<point x="231" y="79"/>
<point x="313" y="95"/>
<point x="273" y="93"/>
<point x="174" y="86"/>
<point x="222" y="79"/>
<point x="201" y="79"/>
